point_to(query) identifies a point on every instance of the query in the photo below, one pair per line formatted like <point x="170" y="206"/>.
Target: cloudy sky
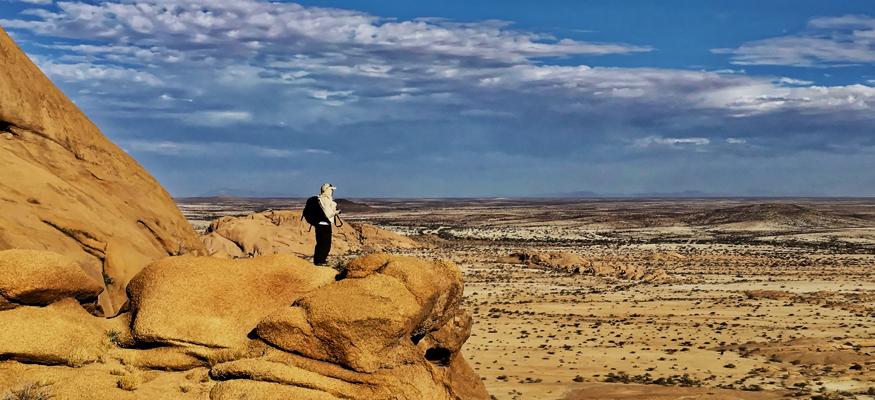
<point x="392" y="98"/>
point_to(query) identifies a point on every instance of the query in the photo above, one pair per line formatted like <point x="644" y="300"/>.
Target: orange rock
<point x="367" y="265"/>
<point x="216" y="302"/>
<point x="363" y="324"/>
<point x="68" y="189"/>
<point x="283" y="232"/>
<point x="41" y="278"/>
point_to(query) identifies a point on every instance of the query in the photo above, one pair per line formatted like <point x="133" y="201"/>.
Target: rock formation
<point x="67" y="189"/>
<point x="575" y="264"/>
<point x="283" y="232"/>
<point x="86" y="232"/>
<point x="267" y="327"/>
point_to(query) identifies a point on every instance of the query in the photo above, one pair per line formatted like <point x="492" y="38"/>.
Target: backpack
<point x="313" y="213"/>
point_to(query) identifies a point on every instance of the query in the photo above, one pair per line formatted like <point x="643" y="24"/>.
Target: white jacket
<point x="329" y="207"/>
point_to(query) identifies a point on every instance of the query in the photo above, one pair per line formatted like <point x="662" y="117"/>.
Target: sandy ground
<point x="771" y="308"/>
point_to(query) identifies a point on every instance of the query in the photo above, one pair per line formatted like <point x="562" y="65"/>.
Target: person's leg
<point x="323" y="244"/>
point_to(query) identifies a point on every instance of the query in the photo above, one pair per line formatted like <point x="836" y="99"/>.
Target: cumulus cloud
<point x="337" y="58"/>
<point x="253" y="25"/>
<point x="264" y="85"/>
<point x="828" y="41"/>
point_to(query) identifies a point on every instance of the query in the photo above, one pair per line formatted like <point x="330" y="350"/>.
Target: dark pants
<point x="323" y="244"/>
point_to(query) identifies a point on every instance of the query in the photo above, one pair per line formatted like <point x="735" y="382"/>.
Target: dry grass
<point x="128" y="358"/>
<point x="122" y="371"/>
<point x="130" y="381"/>
<point x="77" y="358"/>
<point x="30" y="390"/>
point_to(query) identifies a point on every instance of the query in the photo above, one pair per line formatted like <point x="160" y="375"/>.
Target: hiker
<point x="323" y="227"/>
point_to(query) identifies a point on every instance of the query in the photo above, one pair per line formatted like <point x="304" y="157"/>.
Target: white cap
<point x="326" y="187"/>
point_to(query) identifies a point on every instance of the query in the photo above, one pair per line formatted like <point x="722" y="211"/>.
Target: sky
<point x="493" y="98"/>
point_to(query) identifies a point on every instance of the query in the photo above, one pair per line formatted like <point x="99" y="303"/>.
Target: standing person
<point x="323" y="228"/>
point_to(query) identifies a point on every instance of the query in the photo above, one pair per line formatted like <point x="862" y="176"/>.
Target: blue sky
<point x="472" y="99"/>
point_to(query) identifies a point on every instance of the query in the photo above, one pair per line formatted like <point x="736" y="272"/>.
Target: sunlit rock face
<point x="67" y="189"/>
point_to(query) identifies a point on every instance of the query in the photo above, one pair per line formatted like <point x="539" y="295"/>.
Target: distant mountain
<point x="685" y="193"/>
<point x="580" y="194"/>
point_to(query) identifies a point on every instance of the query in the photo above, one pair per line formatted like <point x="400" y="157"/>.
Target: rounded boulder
<point x="40" y="277"/>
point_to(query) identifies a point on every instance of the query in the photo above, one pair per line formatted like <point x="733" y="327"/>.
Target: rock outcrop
<point x="67" y="189"/>
<point x="261" y="328"/>
<point x="216" y="302"/>
<point x="41" y="278"/>
<point x="283" y="232"/>
<point x="85" y="232"/>
<point x="575" y="264"/>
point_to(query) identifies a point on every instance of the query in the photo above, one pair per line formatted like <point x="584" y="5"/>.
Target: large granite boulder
<point x="61" y="333"/>
<point x="386" y="314"/>
<point x="40" y="278"/>
<point x="363" y="324"/>
<point x="216" y="302"/>
<point x="67" y="189"/>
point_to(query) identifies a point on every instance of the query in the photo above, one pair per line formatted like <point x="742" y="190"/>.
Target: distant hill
<point x="352" y="207"/>
<point x="776" y="215"/>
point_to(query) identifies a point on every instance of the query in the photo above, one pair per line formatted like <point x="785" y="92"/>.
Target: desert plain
<point x="760" y="298"/>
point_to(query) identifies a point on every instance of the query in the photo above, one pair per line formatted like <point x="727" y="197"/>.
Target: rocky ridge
<point x="283" y="232"/>
<point x="575" y="264"/>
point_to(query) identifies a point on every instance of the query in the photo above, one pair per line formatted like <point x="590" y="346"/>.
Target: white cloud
<point x="735" y="141"/>
<point x="672" y="142"/>
<point x="795" y="82"/>
<point x="88" y="71"/>
<point x="251" y="25"/>
<point x="201" y="149"/>
<point x="830" y="41"/>
<point x="216" y="118"/>
<point x="761" y="98"/>
<point x="341" y="57"/>
<point x="39" y="2"/>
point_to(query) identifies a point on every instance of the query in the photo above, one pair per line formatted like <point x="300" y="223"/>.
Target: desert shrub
<point x="108" y="280"/>
<point x="77" y="358"/>
<point x="130" y="381"/>
<point x="30" y="390"/>
<point x="113" y="336"/>
<point x="675" y="380"/>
